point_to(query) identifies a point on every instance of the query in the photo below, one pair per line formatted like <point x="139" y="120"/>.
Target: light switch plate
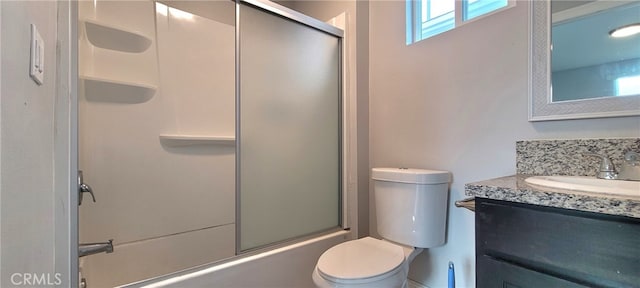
<point x="36" y="64"/>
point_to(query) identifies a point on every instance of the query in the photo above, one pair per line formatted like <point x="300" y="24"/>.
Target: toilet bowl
<point x="411" y="207"/>
<point x="366" y="262"/>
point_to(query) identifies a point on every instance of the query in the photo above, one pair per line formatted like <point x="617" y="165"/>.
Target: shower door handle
<point x="83" y="188"/>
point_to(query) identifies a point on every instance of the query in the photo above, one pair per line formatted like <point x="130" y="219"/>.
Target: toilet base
<point x="396" y="280"/>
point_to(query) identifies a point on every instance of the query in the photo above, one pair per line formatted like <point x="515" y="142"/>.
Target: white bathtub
<point x="289" y="266"/>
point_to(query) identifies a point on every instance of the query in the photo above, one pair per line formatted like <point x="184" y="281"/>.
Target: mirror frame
<point x="541" y="107"/>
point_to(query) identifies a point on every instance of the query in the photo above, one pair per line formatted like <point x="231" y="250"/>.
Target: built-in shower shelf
<point x="113" y="37"/>
<point x="99" y="89"/>
<point x="191" y="140"/>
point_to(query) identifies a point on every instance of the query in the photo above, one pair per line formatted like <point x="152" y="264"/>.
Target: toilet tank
<point x="411" y="205"/>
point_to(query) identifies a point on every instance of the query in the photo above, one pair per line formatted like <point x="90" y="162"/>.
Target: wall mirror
<point x="578" y="69"/>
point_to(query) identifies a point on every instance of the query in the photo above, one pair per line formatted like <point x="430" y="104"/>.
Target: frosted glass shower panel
<point x="289" y="129"/>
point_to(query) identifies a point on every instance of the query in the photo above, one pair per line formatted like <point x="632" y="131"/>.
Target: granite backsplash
<point x="565" y="157"/>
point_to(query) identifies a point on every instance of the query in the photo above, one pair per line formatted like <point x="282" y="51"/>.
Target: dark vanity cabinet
<point x="522" y="245"/>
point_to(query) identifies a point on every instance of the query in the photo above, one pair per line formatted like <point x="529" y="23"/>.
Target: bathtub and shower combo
<point x="215" y="138"/>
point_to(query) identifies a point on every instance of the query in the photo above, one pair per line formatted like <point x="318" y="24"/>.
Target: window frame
<point x="417" y="30"/>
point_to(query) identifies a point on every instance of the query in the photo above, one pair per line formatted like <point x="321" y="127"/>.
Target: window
<point x="627" y="86"/>
<point x="426" y="18"/>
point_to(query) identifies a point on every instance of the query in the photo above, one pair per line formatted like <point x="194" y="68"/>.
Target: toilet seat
<point x="360" y="261"/>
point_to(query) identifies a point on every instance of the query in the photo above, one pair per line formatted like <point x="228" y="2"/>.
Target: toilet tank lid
<point x="412" y="176"/>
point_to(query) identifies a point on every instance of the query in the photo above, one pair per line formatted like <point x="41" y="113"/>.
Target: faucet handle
<point x="607" y="170"/>
<point x="632" y="158"/>
<point x="630" y="169"/>
<point x="83" y="188"/>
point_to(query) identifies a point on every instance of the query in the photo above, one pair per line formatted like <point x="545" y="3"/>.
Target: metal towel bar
<point x="468" y="203"/>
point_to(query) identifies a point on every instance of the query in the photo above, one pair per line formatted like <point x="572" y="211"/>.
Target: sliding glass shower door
<point x="289" y="128"/>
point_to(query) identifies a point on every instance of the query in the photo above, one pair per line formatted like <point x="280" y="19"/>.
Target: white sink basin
<point x="588" y="184"/>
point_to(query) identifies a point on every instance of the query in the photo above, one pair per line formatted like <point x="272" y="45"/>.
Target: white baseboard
<point x="414" y="284"/>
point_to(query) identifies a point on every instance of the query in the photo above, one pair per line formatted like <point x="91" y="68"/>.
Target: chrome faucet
<point x="607" y="170"/>
<point x="95" y="248"/>
<point x="630" y="169"/>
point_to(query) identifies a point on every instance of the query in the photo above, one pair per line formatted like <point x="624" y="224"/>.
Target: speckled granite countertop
<point x="515" y="189"/>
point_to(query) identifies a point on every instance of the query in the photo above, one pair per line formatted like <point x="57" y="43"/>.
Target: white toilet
<point x="411" y="212"/>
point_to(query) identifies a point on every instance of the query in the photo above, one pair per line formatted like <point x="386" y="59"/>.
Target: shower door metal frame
<point x="292" y="15"/>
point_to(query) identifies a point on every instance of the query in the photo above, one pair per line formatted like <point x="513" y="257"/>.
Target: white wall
<point x="458" y="102"/>
<point x="27" y="133"/>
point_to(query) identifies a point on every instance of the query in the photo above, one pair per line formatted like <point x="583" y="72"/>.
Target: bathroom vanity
<point x="524" y="245"/>
<point x="533" y="236"/>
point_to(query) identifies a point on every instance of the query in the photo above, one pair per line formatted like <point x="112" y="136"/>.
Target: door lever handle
<point x="82" y="188"/>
